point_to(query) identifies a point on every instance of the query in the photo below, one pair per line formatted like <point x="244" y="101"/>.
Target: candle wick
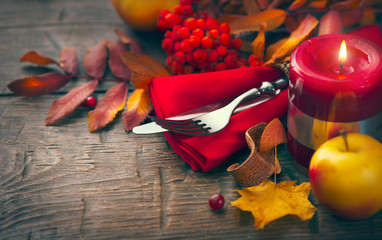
<point x="341" y="66"/>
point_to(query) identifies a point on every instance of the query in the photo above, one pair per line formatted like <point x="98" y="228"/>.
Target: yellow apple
<point x="142" y="15"/>
<point x="348" y="179"/>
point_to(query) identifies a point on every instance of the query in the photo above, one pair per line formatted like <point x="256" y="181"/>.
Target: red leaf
<point x="330" y="23"/>
<point x="352" y="16"/>
<point x="117" y="67"/>
<point x="113" y="102"/>
<point x="37" y="58"/>
<point x="95" y="60"/>
<point x="135" y="47"/>
<point x="69" y="60"/>
<point x="65" y="105"/>
<point x="38" y="85"/>
<point x="138" y="105"/>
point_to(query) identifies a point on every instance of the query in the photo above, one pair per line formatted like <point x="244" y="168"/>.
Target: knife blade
<point x="152" y="127"/>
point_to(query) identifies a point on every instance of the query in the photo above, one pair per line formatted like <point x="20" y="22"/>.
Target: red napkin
<point x="177" y="94"/>
<point x="174" y="95"/>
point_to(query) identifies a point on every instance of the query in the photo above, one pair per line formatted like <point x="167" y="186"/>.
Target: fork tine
<point x="172" y="122"/>
<point x="188" y="127"/>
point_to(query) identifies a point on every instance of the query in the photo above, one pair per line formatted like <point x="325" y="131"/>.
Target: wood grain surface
<point x="62" y="182"/>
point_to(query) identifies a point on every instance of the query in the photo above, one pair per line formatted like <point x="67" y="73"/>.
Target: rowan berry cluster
<point x="195" y="42"/>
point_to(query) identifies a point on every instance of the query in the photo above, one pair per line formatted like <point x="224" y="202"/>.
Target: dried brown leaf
<point x="117" y="67"/>
<point x="273" y="135"/>
<point x="258" y="45"/>
<point x="38" y="85"/>
<point x="300" y="34"/>
<point x="66" y="104"/>
<point x="351" y="16"/>
<point x="134" y="45"/>
<point x="272" y="17"/>
<point x="96" y="59"/>
<point x="138" y="107"/>
<point x="69" y="60"/>
<point x="297" y="4"/>
<point x="106" y="110"/>
<point x="37" y="58"/>
<point x="318" y="4"/>
<point x="251" y="6"/>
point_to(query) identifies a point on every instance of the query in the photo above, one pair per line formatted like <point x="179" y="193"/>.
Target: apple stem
<point x="345" y="137"/>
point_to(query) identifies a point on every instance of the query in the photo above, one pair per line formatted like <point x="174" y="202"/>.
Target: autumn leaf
<point x="138" y="107"/>
<point x="37" y="58"/>
<point x="66" y="104"/>
<point x="274" y="47"/>
<point x="297" y="4"/>
<point x="143" y="68"/>
<point x="38" y="85"/>
<point x="117" y="67"/>
<point x="251" y="6"/>
<point x="298" y="36"/>
<point x="351" y="16"/>
<point x="273" y="135"/>
<point x="330" y="23"/>
<point x="69" y="60"/>
<point x="96" y="59"/>
<point x="134" y="45"/>
<point x="318" y="4"/>
<point x="258" y="45"/>
<point x="268" y="201"/>
<point x="368" y="18"/>
<point x="272" y="17"/>
<point x="113" y="102"/>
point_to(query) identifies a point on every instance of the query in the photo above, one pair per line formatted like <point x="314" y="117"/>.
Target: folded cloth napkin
<point x="177" y="94"/>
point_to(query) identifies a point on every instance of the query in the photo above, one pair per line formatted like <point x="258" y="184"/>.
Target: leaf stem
<point x="100" y="79"/>
<point x="345" y="137"/>
<point x="275" y="165"/>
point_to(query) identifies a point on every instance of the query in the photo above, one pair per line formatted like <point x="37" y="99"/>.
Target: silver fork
<point x="215" y="121"/>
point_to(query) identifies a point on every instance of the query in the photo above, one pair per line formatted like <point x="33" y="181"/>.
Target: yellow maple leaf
<point x="269" y="201"/>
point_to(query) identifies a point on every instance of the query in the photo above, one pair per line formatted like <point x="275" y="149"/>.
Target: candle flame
<point x="342" y="56"/>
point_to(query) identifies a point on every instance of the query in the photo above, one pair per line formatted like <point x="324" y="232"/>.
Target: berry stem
<point x="100" y="79"/>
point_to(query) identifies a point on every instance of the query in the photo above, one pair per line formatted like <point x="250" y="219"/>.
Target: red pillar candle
<point x="327" y="96"/>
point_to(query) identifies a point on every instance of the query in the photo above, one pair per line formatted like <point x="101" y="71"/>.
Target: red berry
<point x="177" y="10"/>
<point x="90" y="102"/>
<point x="169" y="60"/>
<point x="201" y="23"/>
<point x="212" y="23"/>
<point x="224" y="39"/>
<point x="176" y="67"/>
<point x="195" y="41"/>
<point x="167" y="44"/>
<point x="190" y="57"/>
<point x="180" y="57"/>
<point x="190" y="23"/>
<point x="170" y="20"/>
<point x="188" y="69"/>
<point x="222" y="51"/>
<point x="200" y="55"/>
<point x="167" y="34"/>
<point x="224" y="28"/>
<point x="177" y="46"/>
<point x="252" y="58"/>
<point x="198" y="32"/>
<point x="206" y="42"/>
<point x="230" y="61"/>
<point x="185" y="45"/>
<point x="183" y="32"/>
<point x="163" y="13"/>
<point x="220" y="67"/>
<point x="216" y="201"/>
<point x="212" y="56"/>
<point x="187" y="10"/>
<point x="185" y="2"/>
<point x="236" y="43"/>
<point x="214" y="33"/>
<point x="255" y="63"/>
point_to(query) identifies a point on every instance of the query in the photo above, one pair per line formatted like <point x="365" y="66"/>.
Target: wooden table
<point x="62" y="182"/>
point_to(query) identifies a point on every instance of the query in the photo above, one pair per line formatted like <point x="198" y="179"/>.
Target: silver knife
<point x="152" y="127"/>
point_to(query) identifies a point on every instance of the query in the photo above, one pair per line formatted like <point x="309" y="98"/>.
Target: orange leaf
<point x="273" y="48"/>
<point x="330" y="23"/>
<point x="272" y="17"/>
<point x="251" y="6"/>
<point x="38" y="85"/>
<point x="297" y="4"/>
<point x="138" y="106"/>
<point x="273" y="135"/>
<point x="368" y="17"/>
<point x="300" y="34"/>
<point x="66" y="104"/>
<point x="37" y="58"/>
<point x="95" y="60"/>
<point x="269" y="201"/>
<point x="318" y="4"/>
<point x="258" y="45"/>
<point x="113" y="102"/>
<point x="144" y="68"/>
<point x="69" y="60"/>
